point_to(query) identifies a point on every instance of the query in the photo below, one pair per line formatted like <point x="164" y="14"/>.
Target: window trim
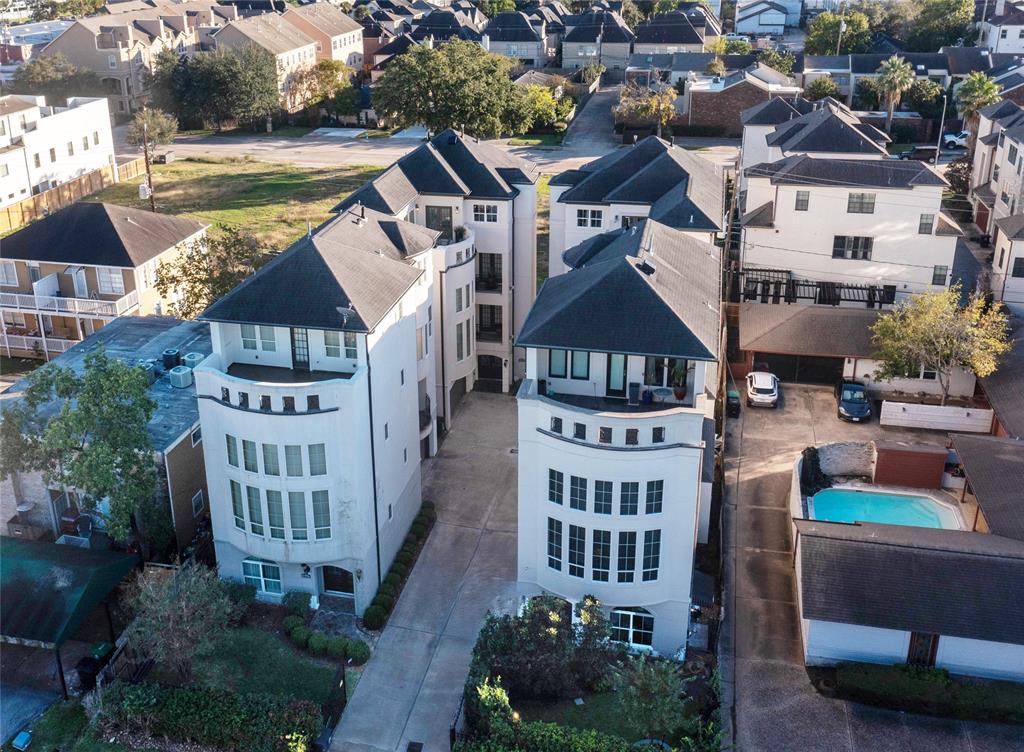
<point x="202" y="503"/>
<point x="860" y="203"/>
<point x="262" y="580"/>
<point x="552" y="373"/>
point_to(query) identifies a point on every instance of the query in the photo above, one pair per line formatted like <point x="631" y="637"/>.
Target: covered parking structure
<point x="48" y="590"/>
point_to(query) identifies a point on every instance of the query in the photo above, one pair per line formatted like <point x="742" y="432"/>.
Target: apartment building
<point x="483" y="201"/>
<point x="56" y="289"/>
<point x="42" y="147"/>
<point x="122" y="47"/>
<point x="720" y="101"/>
<point x="599" y="36"/>
<point x="337" y="36"/>
<point x="311" y="407"/>
<point x="32" y="508"/>
<point x="292" y="49"/>
<point x="515" y="35"/>
<point x="1003" y="32"/>
<point x="652" y="179"/>
<point x="678" y="31"/>
<point x="616" y="448"/>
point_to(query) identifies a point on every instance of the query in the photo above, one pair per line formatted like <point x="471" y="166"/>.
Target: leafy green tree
<point x="823" y="33"/>
<point x="642" y="105"/>
<point x="205" y="272"/>
<point x="783" y="62"/>
<point x="152" y="125"/>
<point x="867" y="95"/>
<point x="591" y="662"/>
<point x="892" y="17"/>
<point x="932" y="330"/>
<point x="491" y="8"/>
<point x="652" y="695"/>
<point x="925" y="97"/>
<point x="362" y="12"/>
<point x="253" y="84"/>
<point x="49" y="10"/>
<point x="666" y="6"/>
<point x="631" y="14"/>
<point x="738" y="47"/>
<point x="976" y="91"/>
<point x="939" y="23"/>
<point x="54" y="77"/>
<point x="96" y="443"/>
<point x="715" y="67"/>
<point x="178" y="616"/>
<point x="820" y="88"/>
<point x="895" y="76"/>
<point x="540" y="105"/>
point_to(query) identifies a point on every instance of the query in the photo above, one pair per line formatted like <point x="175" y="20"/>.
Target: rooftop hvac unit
<point x="192" y="359"/>
<point x="150" y="370"/>
<point x="170" y="356"/>
<point x="181" y="377"/>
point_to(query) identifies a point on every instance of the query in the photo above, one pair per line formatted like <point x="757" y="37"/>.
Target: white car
<point x="955" y="140"/>
<point x="732" y="36"/>
<point x="762" y="389"/>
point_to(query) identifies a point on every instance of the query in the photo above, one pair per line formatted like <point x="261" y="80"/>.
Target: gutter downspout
<point x="373" y="462"/>
<point x="512" y="291"/>
<point x="444" y="377"/>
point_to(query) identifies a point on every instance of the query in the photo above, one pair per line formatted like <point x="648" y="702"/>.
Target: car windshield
<point x="763" y="390"/>
<point x="854" y="395"/>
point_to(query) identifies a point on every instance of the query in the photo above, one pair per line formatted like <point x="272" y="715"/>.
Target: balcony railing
<point x="488" y="335"/>
<point x="53" y="304"/>
<point x="488" y="283"/>
<point x="21" y="343"/>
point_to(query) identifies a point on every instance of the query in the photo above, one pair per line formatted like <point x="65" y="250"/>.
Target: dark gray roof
<point x="964" y="60"/>
<point x="826" y="62"/>
<point x="762" y="216"/>
<point x="511" y="27"/>
<point x="99" y="234"/>
<point x="672" y="28"/>
<point x="357" y="260"/>
<point x="1012" y="227"/>
<point x="867" y="173"/>
<point x="995" y="469"/>
<point x="607" y="25"/>
<point x="652" y="291"/>
<point x="396" y="46"/>
<point x="1011" y="81"/>
<point x="756" y="8"/>
<point x="829" y="128"/>
<point x="443" y="24"/>
<point x="682" y="62"/>
<point x="807" y="330"/>
<point x="921" y="61"/>
<point x="946" y="582"/>
<point x="683" y="189"/>
<point x="773" y="112"/>
<point x="1005" y="387"/>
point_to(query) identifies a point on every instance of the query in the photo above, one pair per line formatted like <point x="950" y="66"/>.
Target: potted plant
<point x="679" y="380"/>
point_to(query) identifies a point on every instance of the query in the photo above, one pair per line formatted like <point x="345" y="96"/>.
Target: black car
<point x="927" y="154"/>
<point x="852" y="402"/>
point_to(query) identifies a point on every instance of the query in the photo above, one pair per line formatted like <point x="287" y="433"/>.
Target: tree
<point x="591" y="72"/>
<point x="49" y="10"/>
<point x="97" y="443"/>
<point x="895" y="76"/>
<point x="867" y="95"/>
<point x="153" y="126"/>
<point x="783" y="62"/>
<point x="933" y="331"/>
<point x="715" y="67"/>
<point x="651" y="692"/>
<point x="491" y="8"/>
<point x="205" y="272"/>
<point x="892" y="17"/>
<point x="178" y="615"/>
<point x="666" y="6"/>
<point x="361" y="12"/>
<point x="924" y="96"/>
<point x="54" y="77"/>
<point x="641" y="105"/>
<point x="940" y="23"/>
<point x="590" y="663"/>
<point x="540" y="105"/>
<point x="313" y="86"/>
<point x="738" y="47"/>
<point x="823" y="34"/>
<point x="631" y="13"/>
<point x="252" y="83"/>
<point x="976" y="91"/>
<point x="820" y="88"/>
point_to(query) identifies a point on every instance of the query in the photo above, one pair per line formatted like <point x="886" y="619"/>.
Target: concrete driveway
<point x="775" y="705"/>
<point x="594" y="124"/>
<point x="411" y="688"/>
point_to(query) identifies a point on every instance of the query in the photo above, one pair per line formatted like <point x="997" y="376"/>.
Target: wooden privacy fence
<point x="936" y="417"/>
<point x="14" y="216"/>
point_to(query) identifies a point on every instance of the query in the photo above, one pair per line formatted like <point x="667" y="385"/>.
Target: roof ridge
<point x="926" y="545"/>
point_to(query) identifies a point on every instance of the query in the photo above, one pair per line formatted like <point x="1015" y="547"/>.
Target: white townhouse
<point x="652" y="179"/>
<point x="42" y="147"/>
<point x="1007" y="277"/>
<point x="1004" y="32"/>
<point x="760" y="17"/>
<point x="483" y="202"/>
<point x="311" y="409"/>
<point x="616" y="443"/>
<point x="516" y="35"/>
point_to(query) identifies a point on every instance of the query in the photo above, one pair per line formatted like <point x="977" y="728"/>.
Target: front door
<point x="440" y="218"/>
<point x="923" y="647"/>
<point x="81" y="289"/>
<point x="300" y="349"/>
<point x="616" y="384"/>
<point x="338" y="581"/>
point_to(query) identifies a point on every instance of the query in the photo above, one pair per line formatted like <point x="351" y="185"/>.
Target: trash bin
<point x="101" y="651"/>
<point x="87" y="669"/>
<point x="732" y="403"/>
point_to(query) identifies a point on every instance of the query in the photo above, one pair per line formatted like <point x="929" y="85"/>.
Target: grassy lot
<point x="537" y="139"/>
<point x="274" y="201"/>
<point x="12" y="369"/>
<point x="543" y="226"/>
<point x="64" y="727"/>
<point x="601" y="712"/>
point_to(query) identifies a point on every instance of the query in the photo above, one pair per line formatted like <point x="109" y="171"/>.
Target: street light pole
<point x="942" y="127"/>
<point x="149" y="173"/>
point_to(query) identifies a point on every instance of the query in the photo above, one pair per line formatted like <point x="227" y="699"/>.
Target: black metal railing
<point x="488" y="283"/>
<point x="780" y="286"/>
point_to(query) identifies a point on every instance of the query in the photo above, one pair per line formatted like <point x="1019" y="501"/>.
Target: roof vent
<point x="646" y="267"/>
<point x="691" y="219"/>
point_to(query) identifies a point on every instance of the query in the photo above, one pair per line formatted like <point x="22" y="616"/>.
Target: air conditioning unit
<point x="170" y="358"/>
<point x="181" y="377"/>
<point x="150" y="370"/>
<point x="192" y="359"/>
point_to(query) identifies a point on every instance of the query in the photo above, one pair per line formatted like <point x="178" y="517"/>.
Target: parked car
<point x="852" y="402"/>
<point x="732" y="36"/>
<point x="955" y="140"/>
<point x="920" y="153"/>
<point x="762" y="389"/>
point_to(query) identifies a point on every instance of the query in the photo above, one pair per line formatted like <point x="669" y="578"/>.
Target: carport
<point x="48" y="590"/>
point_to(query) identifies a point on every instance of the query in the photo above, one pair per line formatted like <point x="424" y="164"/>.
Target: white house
<point x="993" y="174"/>
<point x="653" y="179"/>
<point x="761" y="17"/>
<point x="614" y="434"/>
<point x="311" y="408"/>
<point x="483" y="202"/>
<point x="1005" y="31"/>
<point x="42" y="147"/>
<point x="1007" y="280"/>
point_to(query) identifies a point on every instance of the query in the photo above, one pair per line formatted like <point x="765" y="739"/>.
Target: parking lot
<point x="775" y="707"/>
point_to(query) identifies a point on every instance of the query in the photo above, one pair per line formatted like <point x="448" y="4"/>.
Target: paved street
<point x="776" y="708"/>
<point x="411" y="687"/>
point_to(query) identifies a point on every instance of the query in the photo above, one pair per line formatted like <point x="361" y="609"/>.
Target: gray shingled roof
<point x="357" y="260"/>
<point x="1005" y="387"/>
<point x="762" y="216"/>
<point x="807" y="330"/>
<point x="511" y="27"/>
<point x="946" y="582"/>
<point x="1012" y="227"/>
<point x="995" y="469"/>
<point x="829" y="128"/>
<point x="868" y="173"/>
<point x="327" y="18"/>
<point x="653" y="291"/>
<point x="773" y="112"/>
<point x="97" y="234"/>
<point x="671" y="28"/>
<point x="604" y="24"/>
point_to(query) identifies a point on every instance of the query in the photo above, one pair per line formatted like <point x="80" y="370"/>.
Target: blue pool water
<point x="848" y="505"/>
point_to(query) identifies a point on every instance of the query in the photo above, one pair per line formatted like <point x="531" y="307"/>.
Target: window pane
<point x="580" y="365"/>
<point x="297" y="514"/>
<point x="271" y="464"/>
<point x="655" y="491"/>
<point x="248" y="337"/>
<point x="232" y="450"/>
<point x="802" y="200"/>
<point x="939" y="275"/>
<point x="236" y="505"/>
<point x="267" y="339"/>
<point x="627" y="556"/>
<point x="556" y="486"/>
<point x="249" y="456"/>
<point x="275" y="514"/>
<point x="652" y="554"/>
<point x="321" y="515"/>
<point x="293" y="460"/>
<point x="255" y="512"/>
<point x="926" y="223"/>
<point x="578" y="493"/>
<point x="332" y="344"/>
<point x="351" y="348"/>
<point x="629" y="498"/>
<point x="577" y="550"/>
<point x="554" y="544"/>
<point x="602" y="555"/>
<point x="556" y="363"/>
<point x="317" y="459"/>
<point x="271" y="578"/>
<point x="602" y="496"/>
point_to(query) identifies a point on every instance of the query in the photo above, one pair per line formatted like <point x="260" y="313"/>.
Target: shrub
<point x="394" y="579"/>
<point x="411" y="540"/>
<point x="292" y="621"/>
<point x="298" y="603"/>
<point x="337" y="647"/>
<point x="301" y="635"/>
<point x="419" y="530"/>
<point x="242" y="596"/>
<point x="318" y="643"/>
<point x="427" y="505"/>
<point x="411" y="550"/>
<point x="400" y="569"/>
<point x="384" y="601"/>
<point x="358" y="652"/>
<point x="386" y="589"/>
<point x="374" y="617"/>
<point x="404" y="557"/>
<point x="426" y="518"/>
<point x="535" y="736"/>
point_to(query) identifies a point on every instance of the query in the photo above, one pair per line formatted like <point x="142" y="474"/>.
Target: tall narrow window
<point x="556" y="486"/>
<point x="317" y="459"/>
<point x="603" y="496"/>
<point x="268" y="341"/>
<point x="458" y="299"/>
<point x="271" y="464"/>
<point x="275" y="514"/>
<point x="577" y="550"/>
<point x="557" y="364"/>
<point x="627" y="555"/>
<point x="297" y="514"/>
<point x="255" y="511"/>
<point x="321" y="515"/>
<point x="554" y="544"/>
<point x="939" y="275"/>
<point x="655" y="492"/>
<point x="459" y="347"/>
<point x="926" y="224"/>
<point x="652" y="554"/>
<point x="332" y="344"/>
<point x="248" y="337"/>
<point x="580" y="365"/>
<point x="803" y="200"/>
<point x="629" y="498"/>
<point x="351" y="345"/>
<point x="578" y="493"/>
<point x="293" y="461"/>
<point x="232" y="450"/>
<point x="236" y="505"/>
<point x="249" y="456"/>
<point x="602" y="555"/>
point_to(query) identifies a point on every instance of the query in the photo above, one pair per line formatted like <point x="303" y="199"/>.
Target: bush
<point x="298" y="603"/>
<point x="301" y="635"/>
<point x="411" y="540"/>
<point x="560" y="126"/>
<point x="426" y="517"/>
<point x="292" y="621"/>
<point x="419" y="530"/>
<point x="400" y="569"/>
<point x="374" y="617"/>
<point x="358" y="651"/>
<point x="242" y="596"/>
<point x="411" y="550"/>
<point x="318" y="643"/>
<point x="384" y="601"/>
<point x="535" y="736"/>
<point x="337" y="647"/>
<point x="386" y="589"/>
<point x="394" y="579"/>
<point x="404" y="557"/>
<point x="427" y="505"/>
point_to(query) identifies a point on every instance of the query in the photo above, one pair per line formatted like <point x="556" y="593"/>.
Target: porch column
<point x="46" y="349"/>
<point x="60" y="672"/>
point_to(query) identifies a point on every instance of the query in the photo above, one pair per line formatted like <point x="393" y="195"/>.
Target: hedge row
<point x="376" y="616"/>
<point x="537" y="736"/>
<point x="213" y="717"/>
<point x="319" y="643"/>
<point x="932" y="691"/>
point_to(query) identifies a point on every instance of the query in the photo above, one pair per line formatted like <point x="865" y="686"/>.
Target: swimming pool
<point x="852" y="505"/>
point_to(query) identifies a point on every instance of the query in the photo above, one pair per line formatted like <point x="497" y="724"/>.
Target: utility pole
<point x="839" y="39"/>
<point x="149" y="172"/>
<point x="942" y="128"/>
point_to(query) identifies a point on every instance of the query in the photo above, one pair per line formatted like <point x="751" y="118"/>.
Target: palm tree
<point x="977" y="91"/>
<point x="895" y="76"/>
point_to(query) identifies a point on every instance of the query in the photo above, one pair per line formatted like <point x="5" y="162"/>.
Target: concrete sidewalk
<point x="411" y="688"/>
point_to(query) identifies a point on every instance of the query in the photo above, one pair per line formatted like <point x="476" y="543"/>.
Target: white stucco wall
<point x="995" y="660"/>
<point x="827" y="643"/>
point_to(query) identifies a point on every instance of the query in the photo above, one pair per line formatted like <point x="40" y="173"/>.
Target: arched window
<point x="632" y="625"/>
<point x="264" y="575"/>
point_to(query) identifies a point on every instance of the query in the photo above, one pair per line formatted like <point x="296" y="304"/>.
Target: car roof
<point x="760" y="377"/>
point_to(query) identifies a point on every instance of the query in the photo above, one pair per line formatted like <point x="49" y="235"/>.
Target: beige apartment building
<point x="337" y="36"/>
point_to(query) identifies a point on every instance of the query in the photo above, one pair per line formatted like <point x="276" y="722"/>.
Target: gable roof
<point x="684" y="62"/>
<point x="1012" y="226"/>
<point x="831" y="127"/>
<point x="95" y="234"/>
<point x="922" y="62"/>
<point x="758" y="8"/>
<point x="807" y="330"/>
<point x="683" y="189"/>
<point x="775" y="111"/>
<point x="606" y="25"/>
<point x="994" y="467"/>
<point x="358" y="260"/>
<point x="511" y="27"/>
<point x="672" y="28"/>
<point x="946" y="582"/>
<point x="868" y="173"/>
<point x="269" y="31"/>
<point x="327" y="18"/>
<point x="1005" y="387"/>
<point x="442" y="24"/>
<point x="650" y="290"/>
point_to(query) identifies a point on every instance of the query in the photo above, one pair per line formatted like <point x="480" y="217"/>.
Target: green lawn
<point x="537" y="139"/>
<point x="601" y="712"/>
<point x="64" y="727"/>
<point x="273" y="201"/>
<point x="251" y="660"/>
<point x="15" y="368"/>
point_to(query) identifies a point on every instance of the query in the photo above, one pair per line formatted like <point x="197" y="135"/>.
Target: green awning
<point x="48" y="590"/>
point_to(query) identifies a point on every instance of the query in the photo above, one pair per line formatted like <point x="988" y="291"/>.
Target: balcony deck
<point x="279" y="375"/>
<point x="612" y="405"/>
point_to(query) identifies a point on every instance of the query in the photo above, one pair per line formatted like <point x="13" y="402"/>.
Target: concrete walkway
<point x="411" y="687"/>
<point x="594" y="125"/>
